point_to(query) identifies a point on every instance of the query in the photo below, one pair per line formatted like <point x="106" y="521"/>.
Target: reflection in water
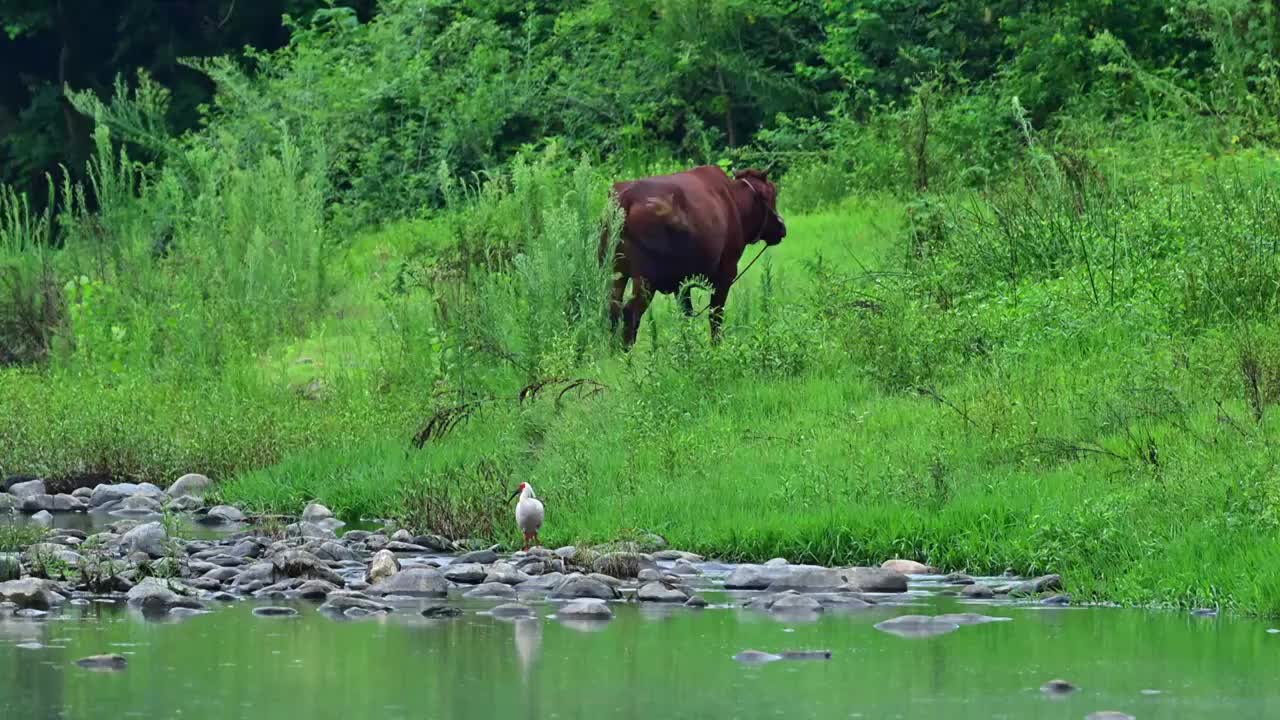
<point x="528" y="634"/>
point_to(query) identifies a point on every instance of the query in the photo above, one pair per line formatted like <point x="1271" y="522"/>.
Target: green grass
<point x="982" y="407"/>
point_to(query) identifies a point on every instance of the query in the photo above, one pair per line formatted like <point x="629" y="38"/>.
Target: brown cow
<point x="685" y="225"/>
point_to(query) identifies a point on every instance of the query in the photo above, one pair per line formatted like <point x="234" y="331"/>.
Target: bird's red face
<point x="519" y="490"/>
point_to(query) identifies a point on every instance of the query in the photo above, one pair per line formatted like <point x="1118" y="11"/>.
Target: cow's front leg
<point x="616" y="291"/>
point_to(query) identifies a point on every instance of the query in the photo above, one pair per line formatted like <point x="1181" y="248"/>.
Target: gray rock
<point x="300" y="563"/>
<point x="135" y="505"/>
<point x="190" y="485"/>
<point x="609" y="580"/>
<point x="63" y="502"/>
<point x="313" y="590"/>
<point x="542" y="583"/>
<point x="336" y="552"/>
<point x="977" y="591"/>
<point x="223" y="515"/>
<point x="415" y="582"/>
<point x="434" y="543"/>
<point x="402" y="536"/>
<point x="696" y="601"/>
<point x="30" y="613"/>
<point x="83" y="493"/>
<point x="668" y="555"/>
<point x="272" y="611"/>
<point x="310" y="531"/>
<point x="108" y="494"/>
<point x="649" y="575"/>
<point x="684" y="567"/>
<point x="505" y="574"/>
<point x="841" y="601"/>
<point x="491" y="590"/>
<point x="465" y="573"/>
<point x="794" y="603"/>
<point x="341" y="603"/>
<point x="1108" y="715"/>
<point x="916" y="626"/>
<point x="222" y="574"/>
<point x="315" y="512"/>
<point x="157" y="595"/>
<point x="877" y="580"/>
<point x="43" y="519"/>
<point x="581" y="586"/>
<point x="376" y="541"/>
<point x="150" y="538"/>
<point x="755" y="577"/>
<point x="8" y="503"/>
<point x="483" y="557"/>
<point x="622" y="565"/>
<point x="247" y="548"/>
<point x="958" y="579"/>
<point x="658" y="592"/>
<point x="383" y="566"/>
<point x="808" y="578"/>
<point x="1057" y="601"/>
<point x="108" y="663"/>
<point x="26" y="489"/>
<point x="205" y="584"/>
<point x="1042" y="584"/>
<point x="776" y="562"/>
<point x="567" y="552"/>
<point x="35" y="503"/>
<point x="585" y="609"/>
<point x="31" y="593"/>
<point x="406" y="548"/>
<point x="185" y="504"/>
<point x="512" y="610"/>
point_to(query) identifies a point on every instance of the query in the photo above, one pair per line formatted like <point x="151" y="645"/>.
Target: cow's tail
<point x="613" y="217"/>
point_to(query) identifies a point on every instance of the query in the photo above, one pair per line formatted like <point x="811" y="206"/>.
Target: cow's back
<point x="678" y="226"/>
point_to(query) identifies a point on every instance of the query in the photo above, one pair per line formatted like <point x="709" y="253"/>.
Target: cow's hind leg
<point x="718" y="298"/>
<point x="641" y="296"/>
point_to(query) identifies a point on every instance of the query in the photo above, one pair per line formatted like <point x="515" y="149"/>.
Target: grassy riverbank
<point x="1054" y="377"/>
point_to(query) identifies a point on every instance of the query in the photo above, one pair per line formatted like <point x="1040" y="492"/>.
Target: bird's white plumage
<point x="529" y="511"/>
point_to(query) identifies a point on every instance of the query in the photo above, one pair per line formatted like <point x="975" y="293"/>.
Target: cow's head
<point x="772" y="230"/>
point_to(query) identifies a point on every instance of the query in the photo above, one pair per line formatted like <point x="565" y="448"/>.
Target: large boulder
<point x="8" y="503"/>
<point x="808" y="578"/>
<point x="465" y="573"/>
<point x="190" y="485"/>
<point x="483" y="557"/>
<point x="315" y="512"/>
<point x="31" y="593"/>
<point x="35" y="503"/>
<point x="26" y="489"/>
<point x="658" y="592"/>
<point x="756" y="577"/>
<point x="416" y="582"/>
<point x="67" y="503"/>
<point x="302" y="564"/>
<point x="384" y="565"/>
<point x="310" y="531"/>
<point x="109" y="494"/>
<point x="491" y="591"/>
<point x="580" y="586"/>
<point x="138" y="505"/>
<point x="150" y="538"/>
<point x="876" y="580"/>
<point x="585" y="609"/>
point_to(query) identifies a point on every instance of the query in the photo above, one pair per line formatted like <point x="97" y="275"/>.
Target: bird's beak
<point x="514" y="495"/>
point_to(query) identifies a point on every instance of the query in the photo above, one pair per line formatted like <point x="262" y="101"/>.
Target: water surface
<point x="649" y="662"/>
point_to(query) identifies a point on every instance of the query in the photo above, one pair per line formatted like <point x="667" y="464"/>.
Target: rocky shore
<point x="359" y="573"/>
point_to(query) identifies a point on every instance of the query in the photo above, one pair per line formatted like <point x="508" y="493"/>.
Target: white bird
<point x="529" y="513"/>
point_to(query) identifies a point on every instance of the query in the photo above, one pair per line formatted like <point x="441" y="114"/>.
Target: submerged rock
<point x="441" y="611"/>
<point x="794" y="603"/>
<point x="512" y="610"/>
<point x="340" y="603"/>
<point x="104" y="495"/>
<point x="977" y="591"/>
<point x="696" y="601"/>
<point x="1057" y="687"/>
<point x="272" y="611"/>
<point x="1108" y="715"/>
<point x="43" y="519"/>
<point x="756" y="657"/>
<point x="916" y="626"/>
<point x="156" y="595"/>
<point x="963" y="619"/>
<point x="110" y="663"/>
<point x="877" y="580"/>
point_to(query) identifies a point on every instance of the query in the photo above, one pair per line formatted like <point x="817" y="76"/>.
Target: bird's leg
<point x="526" y="542"/>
